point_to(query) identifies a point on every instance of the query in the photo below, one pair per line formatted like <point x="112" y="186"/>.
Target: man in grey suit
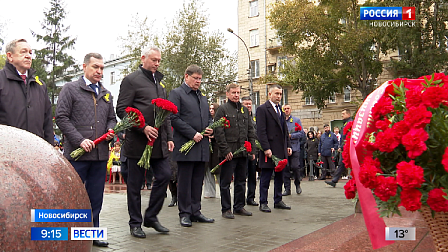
<point x="192" y="118"/>
<point x="273" y="135"/>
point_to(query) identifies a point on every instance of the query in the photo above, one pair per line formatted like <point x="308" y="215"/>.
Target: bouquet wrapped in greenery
<point x="247" y="147"/>
<point x="280" y="164"/>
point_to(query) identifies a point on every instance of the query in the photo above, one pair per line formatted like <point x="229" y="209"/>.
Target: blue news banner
<point x="61" y="215"/>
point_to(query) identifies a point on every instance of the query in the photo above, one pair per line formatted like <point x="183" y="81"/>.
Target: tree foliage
<point x="57" y="43"/>
<point x="332" y="48"/>
<point x="422" y="48"/>
<point x="139" y="36"/>
<point x="2" y="60"/>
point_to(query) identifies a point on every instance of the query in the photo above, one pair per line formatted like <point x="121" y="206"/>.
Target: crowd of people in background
<point x="85" y="111"/>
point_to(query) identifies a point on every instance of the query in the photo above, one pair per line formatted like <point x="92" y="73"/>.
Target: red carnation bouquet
<point x="133" y="118"/>
<point x="247" y="147"/>
<point x="280" y="164"/>
<point x="162" y="108"/>
<point x="296" y="128"/>
<point x="409" y="144"/>
<point x="222" y="122"/>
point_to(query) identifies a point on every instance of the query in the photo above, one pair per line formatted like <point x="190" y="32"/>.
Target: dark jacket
<point x="80" y="115"/>
<point x="327" y="141"/>
<point x="295" y="135"/>
<point x="272" y="134"/>
<point x="137" y="90"/>
<point x="343" y="137"/>
<point x="193" y="116"/>
<point x="25" y="106"/>
<point x="311" y="146"/>
<point x="241" y="128"/>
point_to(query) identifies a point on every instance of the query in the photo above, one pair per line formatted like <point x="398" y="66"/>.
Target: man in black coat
<point x="346" y="117"/>
<point x="192" y="118"/>
<point x="24" y="102"/>
<point x="273" y="136"/>
<point x="85" y="112"/>
<point x="229" y="140"/>
<point x="137" y="90"/>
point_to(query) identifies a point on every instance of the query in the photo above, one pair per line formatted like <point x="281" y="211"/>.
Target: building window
<point x="255" y="68"/>
<point x="347" y="94"/>
<point x="309" y="100"/>
<point x="332" y="98"/>
<point x="112" y="78"/>
<point x="281" y="66"/>
<point x="253" y="38"/>
<point x="253" y="9"/>
<point x="285" y="96"/>
<point x="222" y="100"/>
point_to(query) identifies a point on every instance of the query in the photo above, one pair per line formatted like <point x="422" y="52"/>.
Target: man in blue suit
<point x="294" y="163"/>
<point x="274" y="139"/>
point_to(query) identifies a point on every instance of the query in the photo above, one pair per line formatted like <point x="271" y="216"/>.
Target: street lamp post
<point x="249" y="73"/>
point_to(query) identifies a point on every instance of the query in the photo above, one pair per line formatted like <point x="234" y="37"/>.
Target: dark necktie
<point x="95" y="88"/>
<point x="23" y="78"/>
<point x="279" y="113"/>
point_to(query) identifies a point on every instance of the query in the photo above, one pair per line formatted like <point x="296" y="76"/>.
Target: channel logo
<point x="387" y="13"/>
<point x="88" y="233"/>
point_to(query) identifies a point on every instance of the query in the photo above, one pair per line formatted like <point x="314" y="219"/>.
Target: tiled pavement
<point x="318" y="206"/>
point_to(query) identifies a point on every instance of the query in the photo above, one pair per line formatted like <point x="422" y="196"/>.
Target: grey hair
<point x="90" y="55"/>
<point x="148" y="49"/>
<point x="11" y="46"/>
<point x="275" y="86"/>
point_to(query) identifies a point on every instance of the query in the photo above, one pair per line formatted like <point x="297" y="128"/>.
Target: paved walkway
<point x="318" y="206"/>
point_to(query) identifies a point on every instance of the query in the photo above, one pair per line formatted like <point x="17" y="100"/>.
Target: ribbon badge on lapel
<point x="38" y="81"/>
<point x="161" y="84"/>
<point x="290" y="120"/>
<point x="106" y="97"/>
<point x="242" y="110"/>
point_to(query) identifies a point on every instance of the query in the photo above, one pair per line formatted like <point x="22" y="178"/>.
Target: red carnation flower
<point x="248" y="146"/>
<point x="410" y="199"/>
<point x="436" y="201"/>
<point x="387" y="187"/>
<point x="368" y="172"/>
<point x="399" y="81"/>
<point x="281" y="165"/>
<point x="386" y="141"/>
<point x="347" y="128"/>
<point x="382" y="107"/>
<point x="409" y="175"/>
<point x="346" y="154"/>
<point x="418" y="117"/>
<point x="445" y="159"/>
<point x="400" y="129"/>
<point x="382" y="124"/>
<point x="413" y="98"/>
<point x="433" y="96"/>
<point x="165" y="105"/>
<point x="437" y="76"/>
<point x="390" y="90"/>
<point x="350" y="189"/>
<point x="414" y="141"/>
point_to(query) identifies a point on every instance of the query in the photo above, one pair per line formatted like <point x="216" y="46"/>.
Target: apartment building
<point x="266" y="58"/>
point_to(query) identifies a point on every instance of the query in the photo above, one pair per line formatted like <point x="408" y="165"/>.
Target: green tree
<point x="57" y="43"/>
<point x="188" y="42"/>
<point x="332" y="48"/>
<point x="2" y="60"/>
<point x="422" y="48"/>
<point x="139" y="36"/>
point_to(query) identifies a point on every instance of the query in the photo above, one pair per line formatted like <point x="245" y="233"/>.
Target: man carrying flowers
<point x="273" y="136"/>
<point x="191" y="119"/>
<point x="229" y="140"/>
<point x="84" y="113"/>
<point x="138" y="90"/>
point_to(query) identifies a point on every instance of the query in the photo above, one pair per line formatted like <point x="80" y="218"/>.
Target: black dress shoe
<point x="100" y="243"/>
<point x="298" y="189"/>
<point x="265" y="208"/>
<point x="333" y="184"/>
<point x="282" y="205"/>
<point x="185" y="221"/>
<point x="228" y="215"/>
<point x="322" y="178"/>
<point x="137" y="232"/>
<point x="173" y="201"/>
<point x="201" y="218"/>
<point x="156" y="225"/>
<point x="252" y="203"/>
<point x="243" y="212"/>
<point x="286" y="193"/>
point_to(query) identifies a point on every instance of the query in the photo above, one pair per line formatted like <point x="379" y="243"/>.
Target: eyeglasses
<point x="196" y="78"/>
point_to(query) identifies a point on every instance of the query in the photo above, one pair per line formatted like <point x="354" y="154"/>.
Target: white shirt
<point x="275" y="107"/>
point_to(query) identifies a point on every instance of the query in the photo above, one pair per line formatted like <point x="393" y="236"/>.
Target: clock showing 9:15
<point x="49" y="234"/>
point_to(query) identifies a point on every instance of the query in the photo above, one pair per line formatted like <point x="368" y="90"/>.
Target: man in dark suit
<point x="273" y="136"/>
<point x="137" y="90"/>
<point x="85" y="112"/>
<point x="192" y="118"/>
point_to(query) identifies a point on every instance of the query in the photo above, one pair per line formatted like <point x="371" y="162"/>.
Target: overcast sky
<point x="97" y="24"/>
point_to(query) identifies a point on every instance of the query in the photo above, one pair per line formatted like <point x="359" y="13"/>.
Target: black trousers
<point x="265" y="179"/>
<point x="251" y="178"/>
<point x="136" y="176"/>
<point x="92" y="174"/>
<point x="296" y="167"/>
<point x="148" y="177"/>
<point x="327" y="166"/>
<point x="190" y="176"/>
<point x="124" y="171"/>
<point x="339" y="171"/>
<point x="238" y="168"/>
